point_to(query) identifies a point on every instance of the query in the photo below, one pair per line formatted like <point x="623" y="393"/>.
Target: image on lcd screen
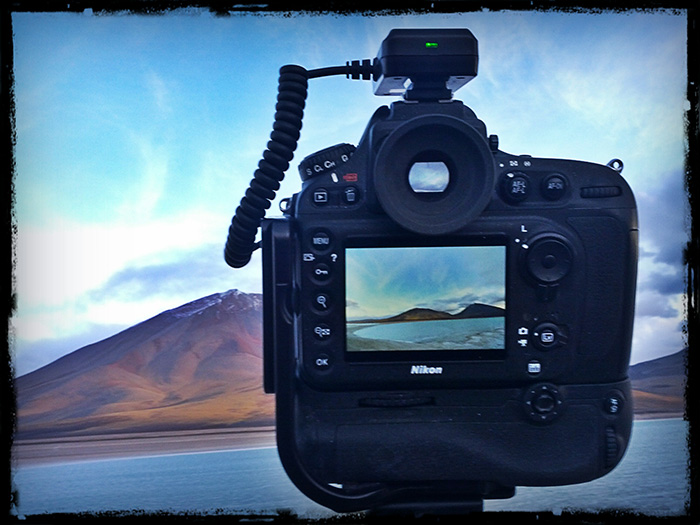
<point x="425" y="298"/>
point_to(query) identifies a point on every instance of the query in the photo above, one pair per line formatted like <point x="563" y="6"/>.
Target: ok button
<point x="322" y="362"/>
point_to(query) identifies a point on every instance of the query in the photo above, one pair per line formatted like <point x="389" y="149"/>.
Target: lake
<point x="444" y="334"/>
<point x="651" y="479"/>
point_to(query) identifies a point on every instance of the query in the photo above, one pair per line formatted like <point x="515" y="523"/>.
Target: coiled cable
<point x="291" y="99"/>
<point x="289" y="111"/>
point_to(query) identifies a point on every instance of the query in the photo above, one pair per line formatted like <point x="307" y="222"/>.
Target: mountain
<point x="199" y="366"/>
<point x="478" y="310"/>
<point x="658" y="386"/>
<point x="473" y="311"/>
<point x="196" y="366"/>
<point x="415" y="314"/>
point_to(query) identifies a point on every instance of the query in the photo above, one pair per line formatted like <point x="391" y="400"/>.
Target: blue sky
<point x="382" y="282"/>
<point x="137" y="135"/>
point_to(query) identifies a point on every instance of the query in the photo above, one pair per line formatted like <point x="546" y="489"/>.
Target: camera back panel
<point x="539" y="287"/>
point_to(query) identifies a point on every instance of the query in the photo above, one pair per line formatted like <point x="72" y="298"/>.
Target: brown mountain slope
<point x="199" y="366"/>
<point x="658" y="386"/>
<point x="196" y="366"/>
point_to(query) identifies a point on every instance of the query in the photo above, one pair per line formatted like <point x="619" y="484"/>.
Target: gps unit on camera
<point x="443" y="321"/>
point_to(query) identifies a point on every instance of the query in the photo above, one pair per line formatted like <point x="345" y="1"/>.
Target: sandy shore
<point x="645" y="416"/>
<point x="59" y="450"/>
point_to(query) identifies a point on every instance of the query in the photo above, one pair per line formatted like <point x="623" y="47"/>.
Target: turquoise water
<point x="651" y="479"/>
<point x="445" y="334"/>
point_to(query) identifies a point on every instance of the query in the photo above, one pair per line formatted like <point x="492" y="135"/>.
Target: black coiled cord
<point x="289" y="111"/>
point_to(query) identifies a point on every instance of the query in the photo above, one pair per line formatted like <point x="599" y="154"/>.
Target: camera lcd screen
<point x="442" y="298"/>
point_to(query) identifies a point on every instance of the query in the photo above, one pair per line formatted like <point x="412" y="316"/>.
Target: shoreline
<point x="45" y="451"/>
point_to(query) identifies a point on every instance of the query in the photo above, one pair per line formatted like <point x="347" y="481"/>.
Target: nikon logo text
<point x="422" y="369"/>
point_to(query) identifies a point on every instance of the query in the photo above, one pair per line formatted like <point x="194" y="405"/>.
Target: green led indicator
<point x="431" y="45"/>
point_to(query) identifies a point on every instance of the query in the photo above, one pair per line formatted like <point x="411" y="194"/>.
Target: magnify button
<point x="322" y="302"/>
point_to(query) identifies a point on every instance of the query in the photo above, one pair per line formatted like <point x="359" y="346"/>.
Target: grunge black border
<point x="378" y="7"/>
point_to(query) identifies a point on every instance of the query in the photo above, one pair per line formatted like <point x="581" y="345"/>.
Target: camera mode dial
<point x="325" y="160"/>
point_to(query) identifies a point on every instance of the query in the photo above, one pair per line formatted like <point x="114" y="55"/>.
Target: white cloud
<point x="656" y="336"/>
<point x="140" y="202"/>
<point x="58" y="264"/>
<point x="160" y="93"/>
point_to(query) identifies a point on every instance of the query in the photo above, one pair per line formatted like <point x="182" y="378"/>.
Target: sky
<point x="137" y="135"/>
<point x="382" y="282"/>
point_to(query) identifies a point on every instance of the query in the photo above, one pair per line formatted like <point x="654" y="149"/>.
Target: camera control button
<point x="321" y="302"/>
<point x="613" y="403"/>
<point x="554" y="187"/>
<point x="322" y="362"/>
<point x="320" y="197"/>
<point x="321" y="241"/>
<point x="543" y="403"/>
<point x="351" y="195"/>
<point x="322" y="332"/>
<point x="516" y="187"/>
<point x="321" y="272"/>
<point x="549" y="260"/>
<point x="534" y="367"/>
<point x="326" y="160"/>
<point x="547" y="336"/>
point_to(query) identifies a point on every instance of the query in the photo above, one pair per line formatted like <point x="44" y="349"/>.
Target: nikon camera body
<point x="444" y="321"/>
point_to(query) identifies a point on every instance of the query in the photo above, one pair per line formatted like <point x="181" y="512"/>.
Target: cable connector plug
<point x="366" y="69"/>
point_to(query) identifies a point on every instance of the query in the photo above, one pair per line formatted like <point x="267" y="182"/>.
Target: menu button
<point x="321" y="241"/>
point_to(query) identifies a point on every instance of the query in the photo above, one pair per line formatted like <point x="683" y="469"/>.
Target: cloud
<point x="160" y="93"/>
<point x="657" y="332"/>
<point x="72" y="275"/>
<point x="181" y="273"/>
<point x="30" y="355"/>
<point x="66" y="258"/>
<point x="664" y="283"/>
<point x="663" y="236"/>
<point x="663" y="218"/>
<point x="147" y="191"/>
<point x="651" y="303"/>
<point x="142" y="289"/>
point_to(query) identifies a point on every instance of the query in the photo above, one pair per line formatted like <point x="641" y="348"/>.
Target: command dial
<point x="325" y="160"/>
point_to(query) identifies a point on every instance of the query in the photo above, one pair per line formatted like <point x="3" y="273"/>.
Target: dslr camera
<point x="443" y="321"/>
